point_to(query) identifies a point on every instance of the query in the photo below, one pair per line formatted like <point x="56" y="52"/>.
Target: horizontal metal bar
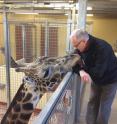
<point x="51" y="23"/>
<point x="62" y="11"/>
<point x="47" y="110"/>
<point x="37" y="1"/>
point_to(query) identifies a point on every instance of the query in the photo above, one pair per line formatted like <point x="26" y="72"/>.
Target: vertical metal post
<point x="71" y="28"/>
<point x="73" y="18"/>
<point x="35" y="37"/>
<point x="69" y="24"/>
<point x="76" y="99"/>
<point x="23" y="40"/>
<point x="46" y="38"/>
<point x="7" y="54"/>
<point x="82" y="11"/>
<point x="81" y="25"/>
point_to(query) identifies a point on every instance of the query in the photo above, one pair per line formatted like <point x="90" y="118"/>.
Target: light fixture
<point x="90" y="15"/>
<point x="25" y="13"/>
<point x="87" y="15"/>
<point x="57" y="8"/>
<point x="58" y="5"/>
<point x="71" y="1"/>
<point x="88" y="8"/>
<point x="66" y="8"/>
<point x="66" y="14"/>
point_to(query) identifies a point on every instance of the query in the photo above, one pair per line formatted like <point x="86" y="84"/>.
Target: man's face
<point x="81" y="46"/>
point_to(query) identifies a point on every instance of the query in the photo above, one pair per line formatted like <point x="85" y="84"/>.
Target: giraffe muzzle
<point x="28" y="80"/>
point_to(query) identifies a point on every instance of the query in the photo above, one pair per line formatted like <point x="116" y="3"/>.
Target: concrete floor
<point x="113" y="118"/>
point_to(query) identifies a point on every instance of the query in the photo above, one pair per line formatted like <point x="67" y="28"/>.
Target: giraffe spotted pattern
<point x="41" y="76"/>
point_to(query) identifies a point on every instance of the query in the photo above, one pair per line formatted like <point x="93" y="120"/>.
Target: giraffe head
<point x="45" y="74"/>
<point x="47" y="68"/>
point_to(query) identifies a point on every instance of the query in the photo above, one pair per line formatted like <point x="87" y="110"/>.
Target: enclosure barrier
<point x="61" y="107"/>
<point x="27" y="40"/>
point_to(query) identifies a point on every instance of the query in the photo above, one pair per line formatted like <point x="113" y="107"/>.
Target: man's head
<point x="79" y="38"/>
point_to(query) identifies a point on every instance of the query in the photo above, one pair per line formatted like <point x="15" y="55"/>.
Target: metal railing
<point x="63" y="106"/>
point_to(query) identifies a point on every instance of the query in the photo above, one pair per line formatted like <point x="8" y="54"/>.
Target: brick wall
<point x="53" y="41"/>
<point x="28" y="45"/>
<point x="19" y="43"/>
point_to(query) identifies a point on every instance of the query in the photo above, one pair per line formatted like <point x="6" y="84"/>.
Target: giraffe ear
<point x="13" y="63"/>
<point x="25" y="70"/>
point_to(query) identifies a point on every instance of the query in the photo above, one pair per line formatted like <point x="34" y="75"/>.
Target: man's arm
<point x="101" y="63"/>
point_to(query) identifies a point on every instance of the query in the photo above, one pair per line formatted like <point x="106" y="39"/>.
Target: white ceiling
<point x="103" y="7"/>
<point x="100" y="7"/>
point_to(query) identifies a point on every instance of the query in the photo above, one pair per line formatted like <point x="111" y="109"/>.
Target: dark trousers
<point x="100" y="102"/>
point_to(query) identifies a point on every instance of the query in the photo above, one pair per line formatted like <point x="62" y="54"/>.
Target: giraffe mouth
<point x="28" y="80"/>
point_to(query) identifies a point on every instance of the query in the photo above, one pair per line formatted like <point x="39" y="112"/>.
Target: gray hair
<point x="80" y="35"/>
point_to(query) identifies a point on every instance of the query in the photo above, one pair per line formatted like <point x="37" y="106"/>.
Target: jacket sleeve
<point x="100" y="63"/>
<point x="80" y="65"/>
<point x="76" y="69"/>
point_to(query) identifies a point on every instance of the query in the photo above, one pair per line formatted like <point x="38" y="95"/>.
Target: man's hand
<point x="85" y="77"/>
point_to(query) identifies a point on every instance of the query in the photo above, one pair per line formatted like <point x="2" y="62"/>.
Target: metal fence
<point x="33" y="39"/>
<point x="3" y="106"/>
<point x="63" y="105"/>
<point x="25" y="41"/>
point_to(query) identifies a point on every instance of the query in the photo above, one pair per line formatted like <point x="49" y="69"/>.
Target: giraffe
<point x="41" y="76"/>
<point x="13" y="63"/>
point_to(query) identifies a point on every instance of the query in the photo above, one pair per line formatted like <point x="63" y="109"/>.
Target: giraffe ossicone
<point x="41" y="76"/>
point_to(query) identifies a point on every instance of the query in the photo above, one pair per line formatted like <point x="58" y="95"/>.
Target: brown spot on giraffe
<point x="42" y="76"/>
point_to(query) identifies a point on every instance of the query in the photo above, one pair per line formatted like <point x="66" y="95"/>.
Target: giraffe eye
<point x="26" y="78"/>
<point x="46" y="73"/>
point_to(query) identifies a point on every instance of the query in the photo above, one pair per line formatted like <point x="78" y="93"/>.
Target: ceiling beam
<point x="102" y="12"/>
<point x="102" y="3"/>
<point x="38" y="1"/>
<point x="35" y="11"/>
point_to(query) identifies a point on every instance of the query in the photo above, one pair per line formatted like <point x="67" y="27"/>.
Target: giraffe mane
<point x="41" y="76"/>
<point x="44" y="67"/>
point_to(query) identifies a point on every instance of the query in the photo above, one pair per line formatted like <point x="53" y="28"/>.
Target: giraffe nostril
<point x="23" y="80"/>
<point x="26" y="78"/>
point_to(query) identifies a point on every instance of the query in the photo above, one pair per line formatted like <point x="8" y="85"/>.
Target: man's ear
<point x="85" y="42"/>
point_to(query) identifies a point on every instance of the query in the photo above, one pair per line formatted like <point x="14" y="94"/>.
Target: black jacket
<point x="100" y="62"/>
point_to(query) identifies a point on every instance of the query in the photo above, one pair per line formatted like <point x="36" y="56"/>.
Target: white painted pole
<point x="81" y="22"/>
<point x="7" y="55"/>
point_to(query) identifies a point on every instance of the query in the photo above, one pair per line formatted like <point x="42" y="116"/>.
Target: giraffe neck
<point x="27" y="97"/>
<point x="22" y="106"/>
<point x="11" y="105"/>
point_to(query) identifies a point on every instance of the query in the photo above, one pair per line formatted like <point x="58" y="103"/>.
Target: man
<point x="100" y="66"/>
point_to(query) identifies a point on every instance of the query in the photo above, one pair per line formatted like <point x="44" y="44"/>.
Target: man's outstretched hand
<point x="85" y="77"/>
